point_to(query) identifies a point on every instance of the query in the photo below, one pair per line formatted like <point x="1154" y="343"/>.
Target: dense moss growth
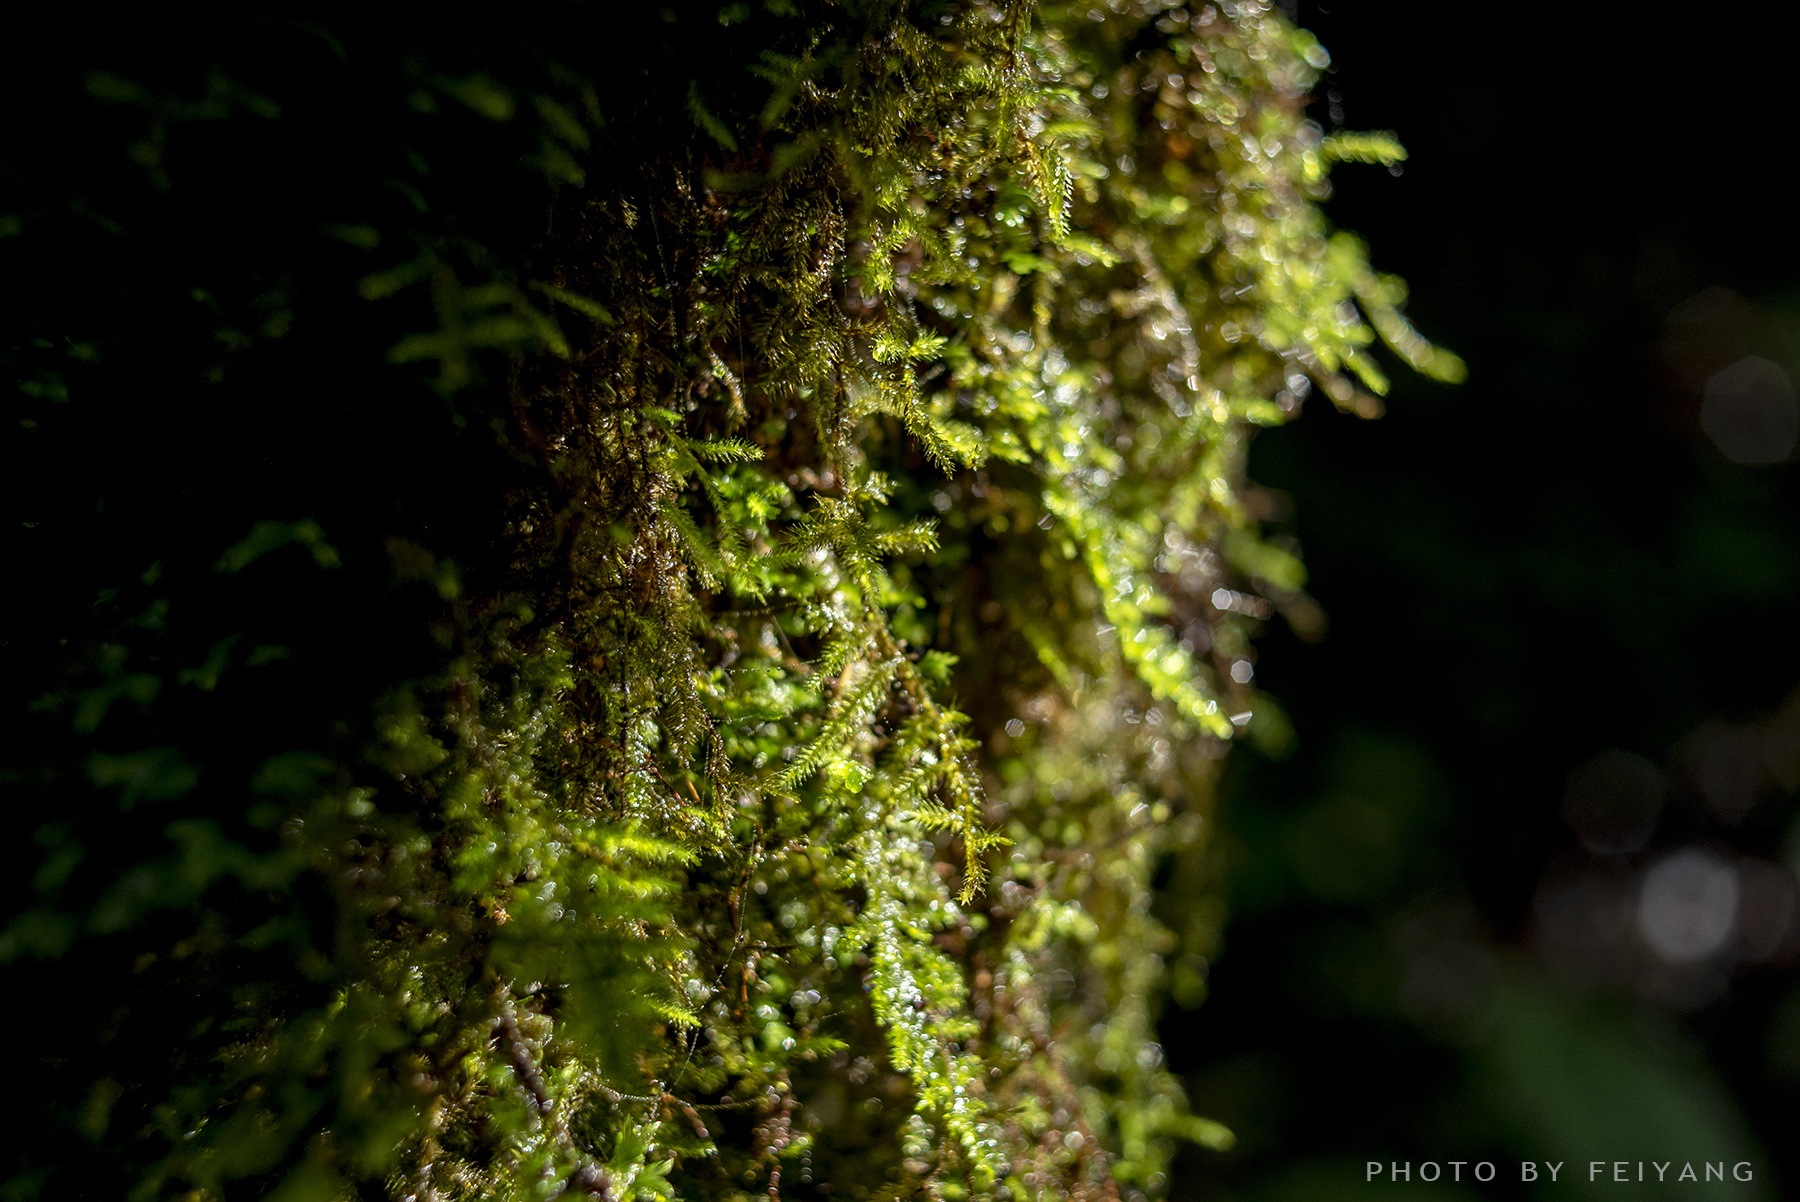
<point x="633" y="602"/>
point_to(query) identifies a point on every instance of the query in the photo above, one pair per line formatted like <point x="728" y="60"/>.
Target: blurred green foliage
<point x="630" y="602"/>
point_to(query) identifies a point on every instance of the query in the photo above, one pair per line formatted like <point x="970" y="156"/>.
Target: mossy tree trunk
<point x="633" y="603"/>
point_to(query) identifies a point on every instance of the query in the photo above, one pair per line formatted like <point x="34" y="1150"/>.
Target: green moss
<point x="832" y="611"/>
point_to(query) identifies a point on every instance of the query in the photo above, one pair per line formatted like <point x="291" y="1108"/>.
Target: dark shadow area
<point x="1524" y="891"/>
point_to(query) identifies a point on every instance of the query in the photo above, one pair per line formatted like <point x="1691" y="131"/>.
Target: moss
<point x="818" y="605"/>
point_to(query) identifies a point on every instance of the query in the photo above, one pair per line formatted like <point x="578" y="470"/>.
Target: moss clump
<point x="682" y="573"/>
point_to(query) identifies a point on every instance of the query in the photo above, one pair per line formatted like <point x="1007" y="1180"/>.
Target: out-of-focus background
<point x="1523" y="888"/>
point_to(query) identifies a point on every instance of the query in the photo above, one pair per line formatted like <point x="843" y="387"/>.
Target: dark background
<point x="1549" y="561"/>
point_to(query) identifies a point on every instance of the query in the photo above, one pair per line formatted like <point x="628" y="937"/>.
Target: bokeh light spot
<point x="1613" y="802"/>
<point x="1750" y="413"/>
<point x="1687" y="908"/>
